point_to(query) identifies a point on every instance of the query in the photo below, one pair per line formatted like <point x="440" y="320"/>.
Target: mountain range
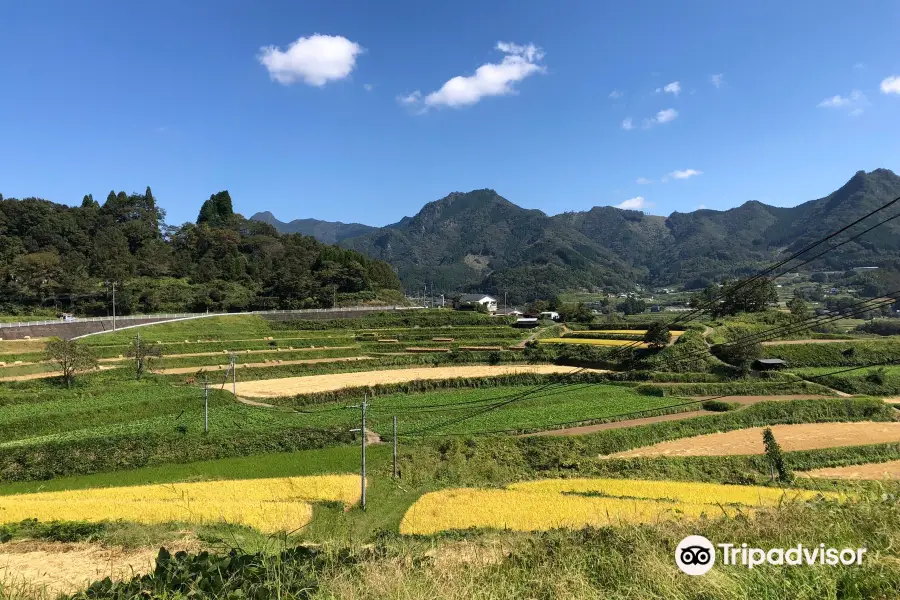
<point x="482" y="241"/>
<point x="329" y="232"/>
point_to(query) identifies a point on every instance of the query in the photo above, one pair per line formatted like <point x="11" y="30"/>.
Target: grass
<point x="518" y="409"/>
<point x="837" y="354"/>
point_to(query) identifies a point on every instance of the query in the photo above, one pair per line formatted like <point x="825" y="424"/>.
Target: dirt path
<point x="290" y="386"/>
<point x="805" y="436"/>
<point x="885" y="470"/>
<point x="278" y="363"/>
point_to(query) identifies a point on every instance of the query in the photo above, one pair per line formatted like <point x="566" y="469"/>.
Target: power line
<point x="700" y="309"/>
<point x="633" y="413"/>
<point x="861" y="307"/>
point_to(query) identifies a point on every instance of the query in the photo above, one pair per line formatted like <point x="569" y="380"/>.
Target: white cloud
<point x="316" y="60"/>
<point x="664" y="116"/>
<point x="368" y="87"/>
<point x="856" y="101"/>
<point x="491" y="79"/>
<point x="685" y="174"/>
<point x="673" y="88"/>
<point x="834" y="102"/>
<point x="413" y="98"/>
<point x="718" y="79"/>
<point x="859" y="65"/>
<point x="891" y="85"/>
<point x="665" y="179"/>
<point x="616" y="94"/>
<point x="636" y="203"/>
<point x="700" y="207"/>
<point x="627" y="124"/>
<point x="643" y="181"/>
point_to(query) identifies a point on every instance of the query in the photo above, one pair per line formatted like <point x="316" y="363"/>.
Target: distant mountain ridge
<point x="328" y="232"/>
<point x="481" y="241"/>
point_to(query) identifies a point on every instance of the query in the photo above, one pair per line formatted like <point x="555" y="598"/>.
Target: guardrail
<point x="167" y="316"/>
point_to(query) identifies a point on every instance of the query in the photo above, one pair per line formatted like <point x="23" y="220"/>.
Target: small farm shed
<point x="768" y="364"/>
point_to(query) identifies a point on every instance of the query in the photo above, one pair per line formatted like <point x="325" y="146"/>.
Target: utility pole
<point x="138" y="357"/>
<point x="505" y="305"/>
<point x="205" y="407"/>
<point x="395" y="446"/>
<point x="234" y="374"/>
<point x="114" y="304"/>
<point x="362" y="446"/>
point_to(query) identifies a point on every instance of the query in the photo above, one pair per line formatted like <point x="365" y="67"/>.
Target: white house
<point x="550" y="314"/>
<point x="483" y="299"/>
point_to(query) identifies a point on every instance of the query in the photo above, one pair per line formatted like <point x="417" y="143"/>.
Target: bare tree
<point x="143" y="355"/>
<point x="71" y="357"/>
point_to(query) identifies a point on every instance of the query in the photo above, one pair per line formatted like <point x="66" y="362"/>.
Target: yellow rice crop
<point x="536" y="511"/>
<point x="276" y="504"/>
<point x="631" y="331"/>
<point x="551" y="503"/>
<point x="679" y="491"/>
<point x="593" y="342"/>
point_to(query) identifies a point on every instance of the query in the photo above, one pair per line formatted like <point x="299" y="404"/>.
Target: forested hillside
<point x="481" y="241"/>
<point x="68" y="258"/>
<point x="330" y="232"/>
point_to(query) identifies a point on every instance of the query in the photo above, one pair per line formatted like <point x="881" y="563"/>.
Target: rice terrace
<point x="244" y="430"/>
<point x="463" y="301"/>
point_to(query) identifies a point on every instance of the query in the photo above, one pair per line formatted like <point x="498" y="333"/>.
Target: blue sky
<point x="358" y="124"/>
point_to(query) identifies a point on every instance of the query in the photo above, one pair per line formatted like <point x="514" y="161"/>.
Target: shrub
<point x="290" y="574"/>
<point x="719" y="406"/>
<point x="881" y="327"/>
<point x="776" y="457"/>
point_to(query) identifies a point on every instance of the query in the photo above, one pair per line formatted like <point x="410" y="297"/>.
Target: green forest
<point x="55" y="257"/>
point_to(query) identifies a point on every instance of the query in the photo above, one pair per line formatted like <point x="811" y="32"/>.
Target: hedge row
<point x="736" y="388"/>
<point x="95" y="455"/>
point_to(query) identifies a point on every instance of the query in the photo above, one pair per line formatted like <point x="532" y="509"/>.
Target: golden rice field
<point x="593" y="342"/>
<point x="578" y="503"/>
<point x="270" y="505"/>
<point x="632" y="331"/>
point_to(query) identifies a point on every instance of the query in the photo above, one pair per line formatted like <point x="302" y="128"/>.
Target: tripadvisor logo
<point x="696" y="555"/>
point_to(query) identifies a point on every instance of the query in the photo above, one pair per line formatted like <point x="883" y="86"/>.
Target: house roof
<point x="770" y="361"/>
<point x="475" y="298"/>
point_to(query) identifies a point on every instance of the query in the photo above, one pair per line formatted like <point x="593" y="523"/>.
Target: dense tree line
<point x="68" y="258"/>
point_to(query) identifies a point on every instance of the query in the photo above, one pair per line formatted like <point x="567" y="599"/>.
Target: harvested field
<point x="64" y="568"/>
<point x="885" y="470"/>
<point x="427" y="350"/>
<point x="290" y="386"/>
<point x="806" y="436"/>
<point x="481" y="348"/>
<point x="20" y="346"/>
<point x="273" y="363"/>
